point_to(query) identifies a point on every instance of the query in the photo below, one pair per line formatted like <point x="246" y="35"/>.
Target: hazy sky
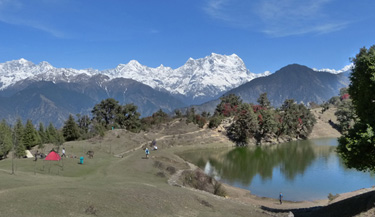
<point x="266" y="34"/>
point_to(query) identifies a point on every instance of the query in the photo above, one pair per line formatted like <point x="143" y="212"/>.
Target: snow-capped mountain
<point x="346" y="69"/>
<point x="196" y="81"/>
<point x="14" y="71"/>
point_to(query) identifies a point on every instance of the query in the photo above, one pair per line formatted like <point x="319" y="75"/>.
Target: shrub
<point x="332" y="197"/>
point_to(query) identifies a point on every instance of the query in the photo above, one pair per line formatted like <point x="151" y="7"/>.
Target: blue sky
<point x="266" y="34"/>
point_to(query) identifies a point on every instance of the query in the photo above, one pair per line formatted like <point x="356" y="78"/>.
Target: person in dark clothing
<point x="281" y="198"/>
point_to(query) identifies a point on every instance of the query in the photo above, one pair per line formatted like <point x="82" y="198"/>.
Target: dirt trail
<point x="323" y="128"/>
<point x="159" y="138"/>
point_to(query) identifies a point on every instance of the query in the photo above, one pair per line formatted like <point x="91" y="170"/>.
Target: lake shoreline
<point x="272" y="204"/>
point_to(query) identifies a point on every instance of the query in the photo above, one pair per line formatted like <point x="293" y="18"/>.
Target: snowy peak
<point x="333" y="71"/>
<point x="197" y="80"/>
<point x="14" y="71"/>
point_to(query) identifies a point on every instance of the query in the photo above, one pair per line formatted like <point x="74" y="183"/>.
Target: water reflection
<point x="309" y="166"/>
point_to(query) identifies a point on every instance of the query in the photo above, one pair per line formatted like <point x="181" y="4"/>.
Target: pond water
<point x="301" y="170"/>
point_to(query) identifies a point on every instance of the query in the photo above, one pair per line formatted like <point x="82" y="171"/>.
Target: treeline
<point x="21" y="137"/>
<point x="106" y="115"/>
<point x="262" y="122"/>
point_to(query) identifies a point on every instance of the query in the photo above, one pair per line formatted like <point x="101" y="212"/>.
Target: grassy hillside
<point x="118" y="181"/>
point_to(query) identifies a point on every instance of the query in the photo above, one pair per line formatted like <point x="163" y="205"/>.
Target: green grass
<point x="110" y="186"/>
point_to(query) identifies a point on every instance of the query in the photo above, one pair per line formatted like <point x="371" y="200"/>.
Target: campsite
<point x="116" y="182"/>
<point x="119" y="181"/>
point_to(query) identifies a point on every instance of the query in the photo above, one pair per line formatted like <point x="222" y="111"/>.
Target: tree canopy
<point x="263" y="122"/>
<point x="356" y="146"/>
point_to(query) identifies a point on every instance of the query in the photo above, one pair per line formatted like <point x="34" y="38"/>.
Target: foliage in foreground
<point x="356" y="146"/>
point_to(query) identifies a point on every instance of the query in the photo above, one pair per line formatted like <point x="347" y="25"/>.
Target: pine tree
<point x="42" y="134"/>
<point x="51" y="134"/>
<point x="19" y="147"/>
<point x="70" y="129"/>
<point x="6" y="142"/>
<point x="30" y="136"/>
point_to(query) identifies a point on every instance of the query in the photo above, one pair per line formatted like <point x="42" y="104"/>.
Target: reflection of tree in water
<point x="296" y="158"/>
<point x="242" y="164"/>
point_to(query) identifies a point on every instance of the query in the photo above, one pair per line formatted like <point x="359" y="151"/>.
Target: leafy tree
<point x="267" y="124"/>
<point x="306" y="122"/>
<point x="178" y="113"/>
<point x="19" y="147"/>
<point x="288" y="119"/>
<point x="6" y="143"/>
<point x="362" y="86"/>
<point x="98" y="128"/>
<point x="228" y="105"/>
<point x="200" y="121"/>
<point x="244" y="127"/>
<point x="84" y="123"/>
<point x="215" y="121"/>
<point x="345" y="115"/>
<point x="335" y="101"/>
<point x="190" y="115"/>
<point x="263" y="101"/>
<point x="70" y="129"/>
<point x="30" y="136"/>
<point x="344" y="91"/>
<point x="128" y="117"/>
<point x="357" y="145"/>
<point x="159" y="117"/>
<point x="105" y="112"/>
<point x="205" y="114"/>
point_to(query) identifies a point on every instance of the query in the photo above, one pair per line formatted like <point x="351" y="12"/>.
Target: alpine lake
<point x="301" y="170"/>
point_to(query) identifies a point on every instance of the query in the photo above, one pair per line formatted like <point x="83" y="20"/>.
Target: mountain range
<point x="45" y="94"/>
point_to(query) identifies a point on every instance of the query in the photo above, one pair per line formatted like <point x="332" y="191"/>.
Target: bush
<point x="219" y="189"/>
<point x="171" y="170"/>
<point x="215" y="122"/>
<point x="332" y="197"/>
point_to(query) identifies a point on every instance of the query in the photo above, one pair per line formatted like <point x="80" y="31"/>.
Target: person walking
<point x="281" y="198"/>
<point x="63" y="153"/>
<point x="147" y="152"/>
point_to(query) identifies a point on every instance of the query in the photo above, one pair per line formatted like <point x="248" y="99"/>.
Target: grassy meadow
<point x="118" y="181"/>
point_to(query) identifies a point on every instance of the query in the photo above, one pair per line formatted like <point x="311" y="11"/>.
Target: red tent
<point x="53" y="156"/>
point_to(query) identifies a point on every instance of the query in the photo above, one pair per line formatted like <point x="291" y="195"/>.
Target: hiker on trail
<point x="147" y="152"/>
<point x="153" y="143"/>
<point x="281" y="198"/>
<point x="36" y="155"/>
<point x="63" y="153"/>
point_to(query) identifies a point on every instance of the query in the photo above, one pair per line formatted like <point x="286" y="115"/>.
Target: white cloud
<point x="277" y="18"/>
<point x="215" y="8"/>
<point x="13" y="12"/>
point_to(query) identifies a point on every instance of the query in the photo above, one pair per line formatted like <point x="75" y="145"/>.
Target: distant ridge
<point x="195" y="82"/>
<point x="294" y="81"/>
<point x="46" y="94"/>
